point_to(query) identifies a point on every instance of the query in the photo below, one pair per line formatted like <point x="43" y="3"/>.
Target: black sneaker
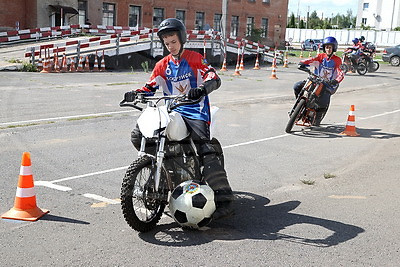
<point x="224" y="210"/>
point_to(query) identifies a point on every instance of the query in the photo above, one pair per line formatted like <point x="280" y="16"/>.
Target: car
<point x="311" y="44"/>
<point x="392" y="55"/>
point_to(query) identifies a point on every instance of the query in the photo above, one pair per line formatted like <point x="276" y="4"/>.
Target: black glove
<point x="196" y="93"/>
<point x="302" y="65"/>
<point x="333" y="82"/>
<point x="130" y="96"/>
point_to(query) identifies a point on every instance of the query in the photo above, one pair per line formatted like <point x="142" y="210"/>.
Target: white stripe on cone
<point x="25" y="170"/>
<point x="25" y="192"/>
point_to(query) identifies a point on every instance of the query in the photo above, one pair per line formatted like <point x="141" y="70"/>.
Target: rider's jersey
<point x="178" y="77"/>
<point x="328" y="68"/>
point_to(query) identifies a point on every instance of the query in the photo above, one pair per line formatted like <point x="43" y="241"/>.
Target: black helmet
<point x="362" y="39"/>
<point x="330" y="40"/>
<point x="172" y="25"/>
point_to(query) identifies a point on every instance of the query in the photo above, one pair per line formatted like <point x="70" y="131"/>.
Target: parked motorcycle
<point x="367" y="57"/>
<point x="149" y="179"/>
<point x="304" y="110"/>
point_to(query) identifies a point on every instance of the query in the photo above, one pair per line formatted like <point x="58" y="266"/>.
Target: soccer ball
<point x="192" y="204"/>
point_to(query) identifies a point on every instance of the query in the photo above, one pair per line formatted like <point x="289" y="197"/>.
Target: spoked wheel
<point x="344" y="68"/>
<point x="141" y="204"/>
<point x="362" y="69"/>
<point x="295" y="115"/>
<point x="373" y="66"/>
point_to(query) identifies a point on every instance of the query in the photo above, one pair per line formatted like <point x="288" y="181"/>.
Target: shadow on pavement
<point x="256" y="220"/>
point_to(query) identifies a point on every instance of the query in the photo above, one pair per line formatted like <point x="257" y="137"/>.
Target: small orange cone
<point x="25" y="199"/>
<point x="273" y="73"/>
<point x="309" y="54"/>
<point x="301" y="53"/>
<point x="241" y="67"/>
<point x="64" y="64"/>
<point x="257" y="65"/>
<point x="72" y="65"/>
<point x="102" y="63"/>
<point x="80" y="65"/>
<point x="224" y="65"/>
<point x="46" y="64"/>
<point x="350" y="129"/>
<point x="96" y="63"/>
<point x="86" y="68"/>
<point x="237" y="72"/>
<point x="285" y="65"/>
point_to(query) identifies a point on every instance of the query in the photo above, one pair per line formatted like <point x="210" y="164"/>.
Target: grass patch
<point x="13" y="60"/>
<point x="308" y="182"/>
<point x="29" y="67"/>
<point x="329" y="175"/>
<point x="125" y="83"/>
<point x="88" y="118"/>
<point x="25" y="125"/>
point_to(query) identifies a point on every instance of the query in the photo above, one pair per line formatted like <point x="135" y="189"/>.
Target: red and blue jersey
<point x="327" y="67"/>
<point x="177" y="77"/>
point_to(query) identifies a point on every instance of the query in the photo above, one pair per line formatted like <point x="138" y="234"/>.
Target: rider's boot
<point x="215" y="175"/>
<point x="319" y="116"/>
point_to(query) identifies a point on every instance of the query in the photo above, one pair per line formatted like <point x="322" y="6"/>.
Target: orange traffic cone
<point x="86" y="68"/>
<point x="40" y="64"/>
<point x="80" y="65"/>
<point x="25" y="199"/>
<point x="102" y="63"/>
<point x="241" y="67"/>
<point x="237" y="72"/>
<point x="285" y="65"/>
<point x="309" y="54"/>
<point x="96" y="63"/>
<point x="301" y="53"/>
<point x="64" y="64"/>
<point x="350" y="129"/>
<point x="257" y="65"/>
<point x="72" y="65"/>
<point x="55" y="64"/>
<point x="224" y="65"/>
<point x="273" y="73"/>
<point x="46" y="65"/>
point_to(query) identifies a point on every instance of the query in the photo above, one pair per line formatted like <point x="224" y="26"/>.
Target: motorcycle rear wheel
<point x="295" y="115"/>
<point x="141" y="204"/>
<point x="362" y="69"/>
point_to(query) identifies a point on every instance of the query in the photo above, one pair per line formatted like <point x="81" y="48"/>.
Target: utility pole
<point x="223" y="26"/>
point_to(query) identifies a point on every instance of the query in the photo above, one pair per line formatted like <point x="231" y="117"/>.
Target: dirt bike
<point x="304" y="112"/>
<point x="154" y="174"/>
<point x="348" y="65"/>
<point x="368" y="60"/>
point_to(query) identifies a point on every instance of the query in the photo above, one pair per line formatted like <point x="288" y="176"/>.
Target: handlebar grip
<point x="123" y="103"/>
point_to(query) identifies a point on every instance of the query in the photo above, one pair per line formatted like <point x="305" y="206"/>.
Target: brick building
<point x="269" y="16"/>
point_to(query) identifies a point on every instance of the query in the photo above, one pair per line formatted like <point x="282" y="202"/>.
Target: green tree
<point x="292" y="21"/>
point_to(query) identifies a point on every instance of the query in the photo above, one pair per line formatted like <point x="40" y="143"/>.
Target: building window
<point x="365" y="6"/>
<point x="234" y="25"/>
<point x="266" y="1"/>
<point x="217" y="22"/>
<point x="199" y="23"/>
<point x="364" y="21"/>
<point x="158" y="16"/>
<point x="134" y="16"/>
<point x="264" y="27"/>
<point x="181" y="15"/>
<point x="108" y="14"/>
<point x="82" y="10"/>
<point x="249" y="25"/>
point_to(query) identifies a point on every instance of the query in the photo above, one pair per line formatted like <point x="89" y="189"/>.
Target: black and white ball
<point x="192" y="204"/>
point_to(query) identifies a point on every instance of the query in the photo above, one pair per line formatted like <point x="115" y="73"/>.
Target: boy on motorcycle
<point x="187" y="72"/>
<point x="327" y="66"/>
<point x="356" y="51"/>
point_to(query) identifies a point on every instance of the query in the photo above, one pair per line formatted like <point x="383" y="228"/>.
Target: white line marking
<point x="89" y="174"/>
<point x="101" y="199"/>
<point x="224" y="147"/>
<point x="379" y="115"/>
<point x="66" y="117"/>
<point x="54" y="186"/>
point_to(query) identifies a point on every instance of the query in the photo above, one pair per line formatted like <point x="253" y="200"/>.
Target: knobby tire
<point x="295" y="115"/>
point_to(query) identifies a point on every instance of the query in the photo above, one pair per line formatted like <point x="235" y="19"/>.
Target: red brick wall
<point x="275" y="12"/>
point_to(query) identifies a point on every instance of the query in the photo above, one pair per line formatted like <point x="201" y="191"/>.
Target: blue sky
<point x="327" y="7"/>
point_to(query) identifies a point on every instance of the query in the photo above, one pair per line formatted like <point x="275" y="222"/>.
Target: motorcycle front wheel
<point x="141" y="204"/>
<point x="295" y="115"/>
<point x="362" y="69"/>
<point x="373" y="66"/>
<point x="344" y="68"/>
